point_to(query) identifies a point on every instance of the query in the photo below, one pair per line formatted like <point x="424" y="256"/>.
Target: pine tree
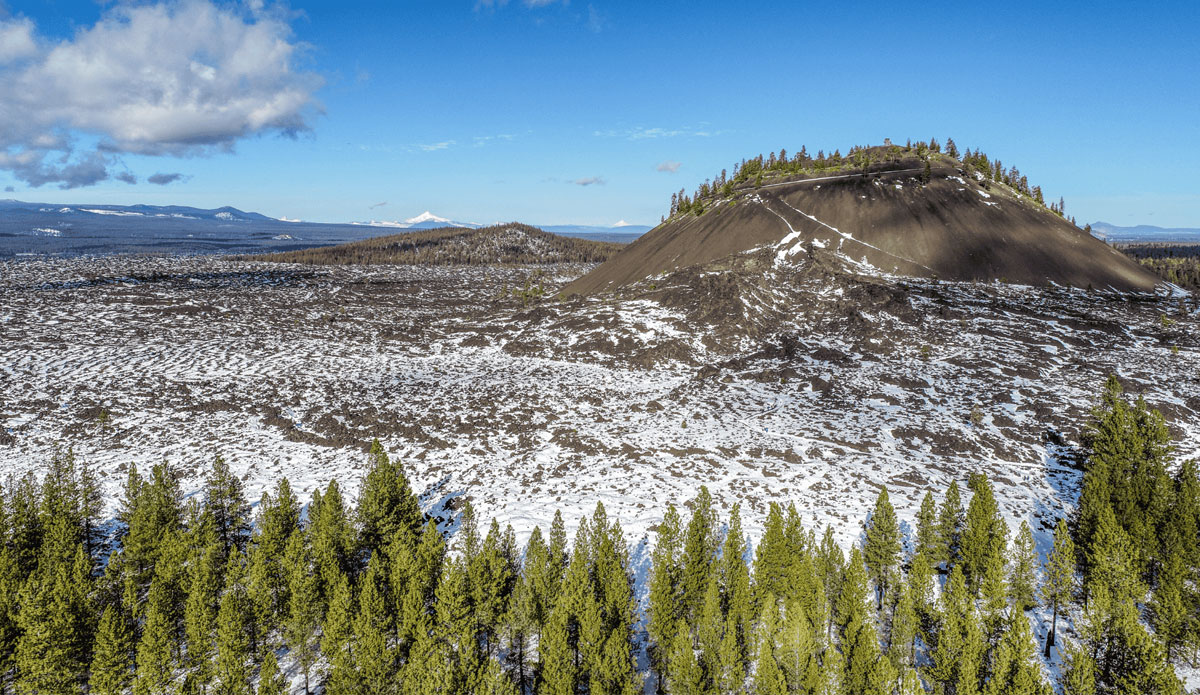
<point x="112" y="663"/>
<point x="1059" y="588"/>
<point x="386" y="503"/>
<point x="866" y="669"/>
<point x="374" y="660"/>
<point x="270" y="680"/>
<point x="920" y="587"/>
<point x="233" y="641"/>
<point x="521" y="623"/>
<point x="686" y="675"/>
<point x="833" y="672"/>
<point x="278" y="519"/>
<point x="415" y="580"/>
<point x="1022" y="580"/>
<point x="994" y="609"/>
<point x="949" y="527"/>
<point x="927" y="532"/>
<point x="154" y="660"/>
<point x="1015" y="670"/>
<point x="851" y="603"/>
<point x="737" y="601"/>
<point x="1079" y="672"/>
<point x="303" y="611"/>
<point x="262" y="582"/>
<point x="225" y="501"/>
<point x="710" y="631"/>
<point x="957" y="613"/>
<point x="984" y="532"/>
<point x="490" y="580"/>
<point x="609" y="650"/>
<point x="200" y="614"/>
<point x="1168" y="607"/>
<point x="797" y="651"/>
<point x="54" y="620"/>
<point x="904" y="628"/>
<point x="772" y="558"/>
<point x="829" y="569"/>
<point x="768" y="676"/>
<point x="663" y="613"/>
<point x="881" y="552"/>
<point x="336" y="636"/>
<point x="699" y="547"/>
<point x="331" y="537"/>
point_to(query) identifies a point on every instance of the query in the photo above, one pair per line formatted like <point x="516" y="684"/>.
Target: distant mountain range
<point x="41" y="228"/>
<point x="427" y="220"/>
<point x="1144" y="233"/>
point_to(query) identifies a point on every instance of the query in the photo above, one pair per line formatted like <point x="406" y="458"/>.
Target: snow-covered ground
<point x="288" y="370"/>
<point x="794" y="388"/>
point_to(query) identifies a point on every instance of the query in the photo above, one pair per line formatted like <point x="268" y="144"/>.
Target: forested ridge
<point x="779" y="167"/>
<point x="1174" y="262"/>
<point x="502" y="244"/>
<point x="196" y="596"/>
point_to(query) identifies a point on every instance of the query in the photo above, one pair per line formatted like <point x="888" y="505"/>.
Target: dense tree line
<point x="198" y="596"/>
<point x="504" y="244"/>
<point x="1177" y="263"/>
<point x="781" y="165"/>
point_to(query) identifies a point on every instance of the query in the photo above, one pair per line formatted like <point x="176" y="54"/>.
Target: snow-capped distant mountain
<point x="426" y="220"/>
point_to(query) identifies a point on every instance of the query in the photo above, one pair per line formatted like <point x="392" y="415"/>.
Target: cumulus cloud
<point x="16" y="40"/>
<point x="175" y="78"/>
<point x="589" y="181"/>
<point x="668" y="167"/>
<point x="163" y="179"/>
<point x="127" y="177"/>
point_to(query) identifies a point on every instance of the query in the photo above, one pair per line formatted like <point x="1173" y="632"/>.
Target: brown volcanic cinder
<point x="953" y="228"/>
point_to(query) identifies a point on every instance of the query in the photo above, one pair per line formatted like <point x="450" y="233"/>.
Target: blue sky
<point x="501" y="111"/>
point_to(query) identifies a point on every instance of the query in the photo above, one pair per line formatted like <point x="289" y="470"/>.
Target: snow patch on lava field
<point x="839" y="387"/>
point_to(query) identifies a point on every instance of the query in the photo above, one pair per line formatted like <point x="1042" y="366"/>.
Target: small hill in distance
<point x="918" y="210"/>
<point x="503" y="244"/>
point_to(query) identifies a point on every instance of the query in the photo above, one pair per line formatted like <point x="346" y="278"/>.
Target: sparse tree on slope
<point x="1059" y="589"/>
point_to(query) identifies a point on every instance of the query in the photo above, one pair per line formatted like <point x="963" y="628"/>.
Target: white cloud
<point x="641" y="133"/>
<point x="177" y="78"/>
<point x="668" y="167"/>
<point x="589" y="181"/>
<point x="16" y="40"/>
<point x="433" y="147"/>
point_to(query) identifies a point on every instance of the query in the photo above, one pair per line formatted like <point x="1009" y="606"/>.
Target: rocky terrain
<point x="811" y="385"/>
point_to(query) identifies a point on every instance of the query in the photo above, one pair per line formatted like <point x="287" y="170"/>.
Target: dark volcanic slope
<point x="505" y="244"/>
<point x="953" y="228"/>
